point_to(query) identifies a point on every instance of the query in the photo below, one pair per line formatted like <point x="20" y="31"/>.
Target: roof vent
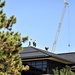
<point x="46" y="48"/>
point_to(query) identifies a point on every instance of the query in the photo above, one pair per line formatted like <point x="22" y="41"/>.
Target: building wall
<point x="41" y="67"/>
<point x="52" y="65"/>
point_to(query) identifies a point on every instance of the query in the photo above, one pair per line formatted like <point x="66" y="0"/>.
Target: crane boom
<point x="59" y="27"/>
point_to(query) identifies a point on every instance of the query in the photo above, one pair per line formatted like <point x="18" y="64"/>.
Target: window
<point x="41" y="65"/>
<point x="33" y="63"/>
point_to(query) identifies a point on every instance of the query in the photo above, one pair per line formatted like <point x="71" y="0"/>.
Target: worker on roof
<point x="30" y="42"/>
<point x="34" y="43"/>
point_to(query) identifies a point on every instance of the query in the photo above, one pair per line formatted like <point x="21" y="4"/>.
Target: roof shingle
<point x="33" y="52"/>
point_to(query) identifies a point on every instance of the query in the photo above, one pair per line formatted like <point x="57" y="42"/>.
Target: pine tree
<point x="10" y="45"/>
<point x="64" y="71"/>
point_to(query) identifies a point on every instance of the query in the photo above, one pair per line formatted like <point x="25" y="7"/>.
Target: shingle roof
<point x="33" y="52"/>
<point x="70" y="56"/>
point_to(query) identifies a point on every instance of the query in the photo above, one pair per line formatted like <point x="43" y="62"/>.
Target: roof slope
<point x="33" y="52"/>
<point x="70" y="56"/>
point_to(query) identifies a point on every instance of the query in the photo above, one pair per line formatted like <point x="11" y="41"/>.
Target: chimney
<point x="46" y="48"/>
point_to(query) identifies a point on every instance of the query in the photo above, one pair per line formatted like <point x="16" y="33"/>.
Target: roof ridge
<point x="41" y="50"/>
<point x="66" y="53"/>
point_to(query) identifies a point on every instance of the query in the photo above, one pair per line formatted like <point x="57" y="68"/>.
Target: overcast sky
<point x="39" y="19"/>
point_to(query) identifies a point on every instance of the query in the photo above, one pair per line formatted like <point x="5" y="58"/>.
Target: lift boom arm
<point x="59" y="27"/>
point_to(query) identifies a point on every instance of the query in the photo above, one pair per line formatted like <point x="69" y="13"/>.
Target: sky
<point x="39" y="19"/>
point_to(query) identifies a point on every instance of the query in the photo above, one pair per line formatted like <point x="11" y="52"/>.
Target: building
<point x="42" y="62"/>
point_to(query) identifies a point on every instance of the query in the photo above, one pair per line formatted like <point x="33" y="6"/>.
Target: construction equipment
<point x="59" y="27"/>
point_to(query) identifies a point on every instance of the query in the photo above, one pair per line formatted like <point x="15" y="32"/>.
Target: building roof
<point x="70" y="56"/>
<point x="33" y="52"/>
